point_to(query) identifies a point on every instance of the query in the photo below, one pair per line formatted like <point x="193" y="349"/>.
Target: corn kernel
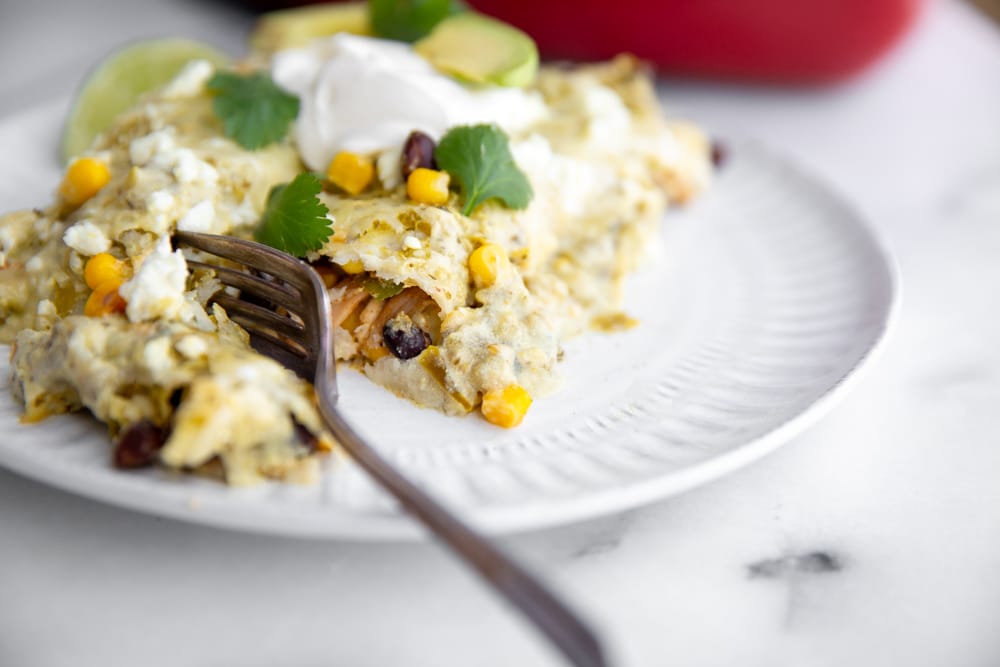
<point x="104" y="267"/>
<point x="353" y="267"/>
<point x="506" y="407"/>
<point x="84" y="178"/>
<point x="486" y="263"/>
<point x="428" y="186"/>
<point x="104" y="300"/>
<point x="351" y="172"/>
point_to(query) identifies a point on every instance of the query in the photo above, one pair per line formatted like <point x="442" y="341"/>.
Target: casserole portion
<point x="456" y="311"/>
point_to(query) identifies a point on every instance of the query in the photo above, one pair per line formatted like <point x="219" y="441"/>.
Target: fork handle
<point x="563" y="628"/>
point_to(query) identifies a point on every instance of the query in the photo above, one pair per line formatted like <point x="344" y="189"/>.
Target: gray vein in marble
<point x="795" y="573"/>
<point x="792" y="565"/>
<point x="606" y="540"/>
<point x="579" y="542"/>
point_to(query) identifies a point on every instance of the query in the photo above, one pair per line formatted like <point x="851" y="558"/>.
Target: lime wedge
<point x="291" y="28"/>
<point x="480" y="49"/>
<point x="120" y="79"/>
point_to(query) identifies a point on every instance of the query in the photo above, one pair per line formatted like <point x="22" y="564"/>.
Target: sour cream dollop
<point x="366" y="95"/>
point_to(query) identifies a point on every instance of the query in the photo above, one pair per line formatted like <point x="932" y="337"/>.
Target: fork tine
<point x="256" y="328"/>
<point x="238" y="307"/>
<point x="275" y="293"/>
<point x="269" y="348"/>
<point x="249" y="253"/>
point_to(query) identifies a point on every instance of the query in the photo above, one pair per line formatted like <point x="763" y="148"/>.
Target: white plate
<point x="769" y="295"/>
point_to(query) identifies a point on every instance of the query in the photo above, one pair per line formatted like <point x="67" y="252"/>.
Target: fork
<point x="302" y="341"/>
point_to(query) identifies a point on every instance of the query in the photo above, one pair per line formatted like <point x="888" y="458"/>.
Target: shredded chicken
<point x="359" y="318"/>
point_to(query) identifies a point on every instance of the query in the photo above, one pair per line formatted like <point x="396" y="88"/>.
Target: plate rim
<point x="536" y="514"/>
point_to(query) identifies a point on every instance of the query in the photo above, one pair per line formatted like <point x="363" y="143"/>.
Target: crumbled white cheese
<point x="412" y="242"/>
<point x="158" y="357"/>
<point x="153" y="146"/>
<point x="46" y="308"/>
<point x="159" y="150"/>
<point x="35" y="264"/>
<point x="157" y="289"/>
<point x="191" y="347"/>
<point x="159" y="201"/>
<point x="190" y="81"/>
<point x="47" y="314"/>
<point x="390" y="171"/>
<point x="188" y="169"/>
<point x="160" y="204"/>
<point x="610" y="120"/>
<point x="86" y="238"/>
<point x="200" y="218"/>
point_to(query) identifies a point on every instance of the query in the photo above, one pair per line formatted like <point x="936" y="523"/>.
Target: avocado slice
<point x="480" y="49"/>
<point x="291" y="28"/>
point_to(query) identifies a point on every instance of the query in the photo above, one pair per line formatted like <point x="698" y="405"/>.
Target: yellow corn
<point x="104" y="267"/>
<point x="104" y="300"/>
<point x="353" y="267"/>
<point x="351" y="172"/>
<point x="506" y="407"/>
<point x="486" y="263"/>
<point x="428" y="186"/>
<point x="83" y="180"/>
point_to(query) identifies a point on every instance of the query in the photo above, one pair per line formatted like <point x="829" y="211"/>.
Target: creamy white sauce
<point x="366" y="95"/>
<point x="578" y="185"/>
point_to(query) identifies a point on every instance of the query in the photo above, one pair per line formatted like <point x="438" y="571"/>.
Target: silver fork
<point x="304" y="344"/>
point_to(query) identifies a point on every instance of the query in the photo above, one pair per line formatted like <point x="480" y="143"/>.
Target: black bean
<point x="418" y="151"/>
<point x="404" y="338"/>
<point x="719" y="154"/>
<point x="139" y="445"/>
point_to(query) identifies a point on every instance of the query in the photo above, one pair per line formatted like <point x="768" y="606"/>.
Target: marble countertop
<point x="872" y="539"/>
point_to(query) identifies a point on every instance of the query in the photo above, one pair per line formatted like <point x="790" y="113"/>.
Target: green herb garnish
<point x="254" y="111"/>
<point x="478" y="158"/>
<point x="295" y="219"/>
<point x="381" y="289"/>
<point x="409" y="20"/>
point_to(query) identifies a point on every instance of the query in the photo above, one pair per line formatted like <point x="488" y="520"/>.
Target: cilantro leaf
<point x="409" y="20"/>
<point x="295" y="219"/>
<point x="254" y="111"/>
<point x="478" y="157"/>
